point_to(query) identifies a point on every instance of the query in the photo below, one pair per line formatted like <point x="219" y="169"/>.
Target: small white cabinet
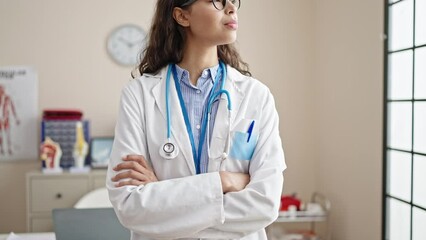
<point x="46" y="192"/>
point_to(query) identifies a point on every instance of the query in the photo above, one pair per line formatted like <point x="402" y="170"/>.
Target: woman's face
<point x="210" y="26"/>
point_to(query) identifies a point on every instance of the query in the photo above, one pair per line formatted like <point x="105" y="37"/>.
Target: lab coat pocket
<point x="242" y="146"/>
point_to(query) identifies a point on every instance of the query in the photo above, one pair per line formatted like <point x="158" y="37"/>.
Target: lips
<point x="232" y="24"/>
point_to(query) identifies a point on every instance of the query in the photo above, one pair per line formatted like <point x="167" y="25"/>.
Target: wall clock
<point x="125" y="43"/>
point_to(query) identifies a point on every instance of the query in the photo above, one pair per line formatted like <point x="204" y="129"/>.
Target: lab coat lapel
<point x="220" y="129"/>
<point x="177" y="122"/>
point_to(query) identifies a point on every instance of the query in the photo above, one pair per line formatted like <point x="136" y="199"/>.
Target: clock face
<point x="125" y="43"/>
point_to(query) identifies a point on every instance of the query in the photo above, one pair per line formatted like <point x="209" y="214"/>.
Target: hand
<point x="233" y="182"/>
<point x="139" y="172"/>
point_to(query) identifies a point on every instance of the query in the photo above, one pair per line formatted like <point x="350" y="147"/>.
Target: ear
<point x="181" y="16"/>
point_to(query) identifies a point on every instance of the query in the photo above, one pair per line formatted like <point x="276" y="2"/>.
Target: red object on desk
<point x="62" y="114"/>
<point x="288" y="200"/>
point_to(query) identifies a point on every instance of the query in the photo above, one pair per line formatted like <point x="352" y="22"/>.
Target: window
<point x="404" y="191"/>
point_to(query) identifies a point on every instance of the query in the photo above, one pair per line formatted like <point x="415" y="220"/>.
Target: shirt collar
<point x="208" y="73"/>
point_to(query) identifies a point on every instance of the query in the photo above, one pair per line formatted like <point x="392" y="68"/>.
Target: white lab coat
<point x="183" y="205"/>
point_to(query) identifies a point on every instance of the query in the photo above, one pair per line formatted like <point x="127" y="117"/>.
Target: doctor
<point x="197" y="152"/>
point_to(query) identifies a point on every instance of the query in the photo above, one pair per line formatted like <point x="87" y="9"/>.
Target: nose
<point x="230" y="7"/>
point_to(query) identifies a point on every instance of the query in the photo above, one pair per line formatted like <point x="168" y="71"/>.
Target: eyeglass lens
<point x="220" y="4"/>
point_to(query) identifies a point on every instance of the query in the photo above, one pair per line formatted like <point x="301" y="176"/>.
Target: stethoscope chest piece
<point x="169" y="150"/>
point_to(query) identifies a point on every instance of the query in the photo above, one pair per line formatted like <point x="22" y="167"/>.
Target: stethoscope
<point x="169" y="149"/>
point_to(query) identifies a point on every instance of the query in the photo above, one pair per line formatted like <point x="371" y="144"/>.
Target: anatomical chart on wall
<point x="18" y="113"/>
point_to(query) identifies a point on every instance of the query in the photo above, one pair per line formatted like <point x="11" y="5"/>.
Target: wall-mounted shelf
<point x="318" y="210"/>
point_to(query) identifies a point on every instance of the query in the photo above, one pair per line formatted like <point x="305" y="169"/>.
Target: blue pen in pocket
<point x="250" y="130"/>
<point x="244" y="143"/>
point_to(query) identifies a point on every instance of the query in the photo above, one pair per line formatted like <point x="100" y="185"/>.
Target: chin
<point x="229" y="40"/>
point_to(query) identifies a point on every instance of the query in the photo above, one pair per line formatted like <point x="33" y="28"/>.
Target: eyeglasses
<point x="221" y="4"/>
<point x="218" y="4"/>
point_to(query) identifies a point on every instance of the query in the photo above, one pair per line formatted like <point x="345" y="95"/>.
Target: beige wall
<point x="348" y="84"/>
<point x="65" y="42"/>
<point x="321" y="59"/>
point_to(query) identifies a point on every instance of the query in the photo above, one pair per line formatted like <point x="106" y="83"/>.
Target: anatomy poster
<point x="18" y="113"/>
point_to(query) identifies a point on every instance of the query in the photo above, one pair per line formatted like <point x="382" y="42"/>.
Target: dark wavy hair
<point x="167" y="38"/>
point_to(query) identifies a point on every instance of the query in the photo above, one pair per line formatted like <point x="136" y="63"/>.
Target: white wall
<point x="325" y="78"/>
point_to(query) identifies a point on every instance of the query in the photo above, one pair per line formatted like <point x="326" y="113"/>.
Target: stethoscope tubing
<point x="205" y="129"/>
<point x="169" y="71"/>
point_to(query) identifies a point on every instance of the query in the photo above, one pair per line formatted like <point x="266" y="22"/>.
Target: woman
<point x="197" y="152"/>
